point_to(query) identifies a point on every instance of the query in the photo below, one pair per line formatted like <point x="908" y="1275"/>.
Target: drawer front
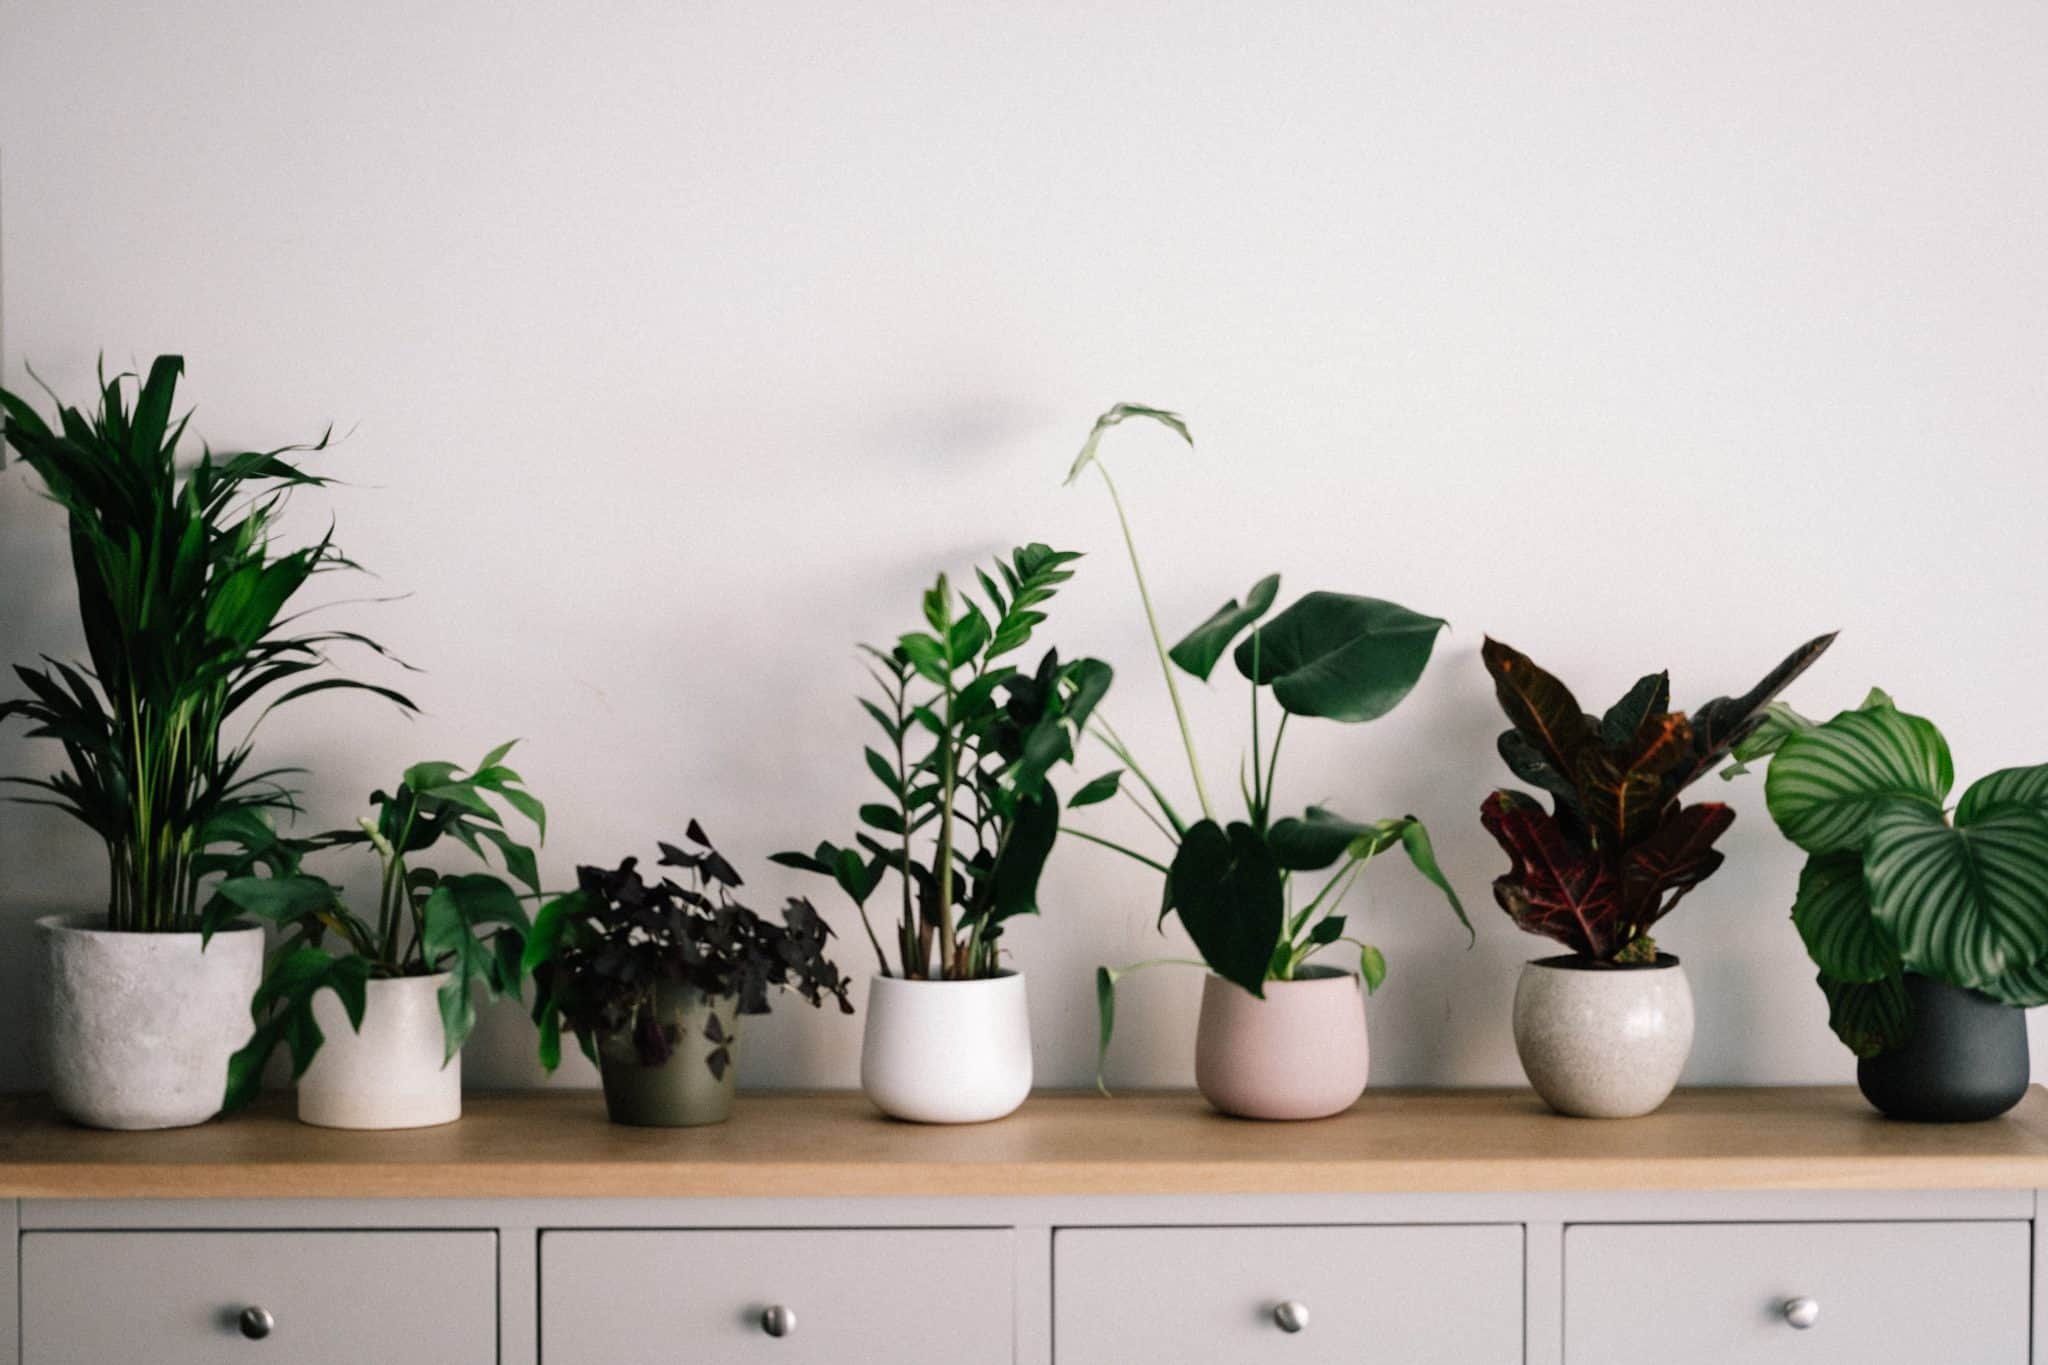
<point x="1216" y="1296"/>
<point x="909" y="1297"/>
<point x="1716" y="1293"/>
<point x="335" y="1298"/>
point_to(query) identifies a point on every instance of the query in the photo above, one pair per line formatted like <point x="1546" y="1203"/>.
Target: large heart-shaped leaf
<point x="1832" y="914"/>
<point x="1341" y="657"/>
<point x="1554" y="888"/>
<point x="1825" y="782"/>
<point x="1227" y="889"/>
<point x="2007" y="786"/>
<point x="1206" y="643"/>
<point x="1870" y="1018"/>
<point x="1964" y="903"/>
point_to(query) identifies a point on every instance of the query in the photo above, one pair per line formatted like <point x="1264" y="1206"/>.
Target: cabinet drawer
<point x="335" y="1298"/>
<point x="910" y="1297"/>
<point x="1215" y="1296"/>
<point x="1716" y="1293"/>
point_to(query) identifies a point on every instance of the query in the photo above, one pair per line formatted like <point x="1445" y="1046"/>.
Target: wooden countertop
<point x="557" y="1143"/>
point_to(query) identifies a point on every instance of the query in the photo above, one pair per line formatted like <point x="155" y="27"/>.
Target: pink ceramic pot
<point x="1297" y="1054"/>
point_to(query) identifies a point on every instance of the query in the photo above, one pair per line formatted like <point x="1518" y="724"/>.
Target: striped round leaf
<point x="2007" y="786"/>
<point x="1833" y="915"/>
<point x="1871" y="1018"/>
<point x="1825" y="782"/>
<point x="2026" y="988"/>
<point x="1963" y="903"/>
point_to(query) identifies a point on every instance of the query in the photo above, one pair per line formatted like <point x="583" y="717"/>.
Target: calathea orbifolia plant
<point x="969" y="744"/>
<point x="1896" y="882"/>
<point x="601" y="956"/>
<point x="183" y="597"/>
<point x="1616" y="852"/>
<point x="470" y="925"/>
<point x="1329" y="655"/>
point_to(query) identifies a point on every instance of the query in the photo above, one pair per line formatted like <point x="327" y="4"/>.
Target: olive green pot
<point x="681" y="1092"/>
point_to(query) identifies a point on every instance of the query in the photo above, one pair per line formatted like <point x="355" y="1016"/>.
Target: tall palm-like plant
<point x="182" y="595"/>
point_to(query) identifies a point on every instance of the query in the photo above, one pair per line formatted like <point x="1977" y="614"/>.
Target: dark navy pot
<point x="1965" y="1062"/>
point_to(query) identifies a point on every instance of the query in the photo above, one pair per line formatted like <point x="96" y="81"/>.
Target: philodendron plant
<point x="183" y="596"/>
<point x="969" y="744"/>
<point x="1329" y="655"/>
<point x="1617" y="851"/>
<point x="471" y="925"/>
<point x="1895" y="881"/>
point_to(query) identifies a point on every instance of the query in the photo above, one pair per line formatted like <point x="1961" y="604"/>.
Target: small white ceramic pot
<point x="390" y="1075"/>
<point x="946" y="1051"/>
<point x="1298" y="1053"/>
<point x="138" y="1028"/>
<point x="1600" y="1041"/>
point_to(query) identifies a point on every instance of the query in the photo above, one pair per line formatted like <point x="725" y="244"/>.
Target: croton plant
<point x="1617" y="851"/>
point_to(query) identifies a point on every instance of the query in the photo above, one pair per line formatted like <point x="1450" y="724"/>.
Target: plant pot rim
<point x="1314" y="974"/>
<point x="93" y="923"/>
<point x="421" y="977"/>
<point x="878" y="979"/>
<point x="1579" y="962"/>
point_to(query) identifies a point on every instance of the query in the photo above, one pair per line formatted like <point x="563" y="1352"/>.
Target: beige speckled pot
<point x="1299" y="1053"/>
<point x="1603" y="1042"/>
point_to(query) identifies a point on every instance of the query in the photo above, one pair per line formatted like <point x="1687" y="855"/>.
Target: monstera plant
<point x="1896" y="883"/>
<point x="1231" y="881"/>
<point x="1617" y="851"/>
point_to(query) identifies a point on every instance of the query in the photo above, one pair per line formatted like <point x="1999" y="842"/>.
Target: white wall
<point x="681" y="342"/>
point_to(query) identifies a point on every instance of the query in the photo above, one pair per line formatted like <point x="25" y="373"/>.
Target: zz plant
<point x="471" y="925"/>
<point x="1895" y="880"/>
<point x="969" y="744"/>
<point x="184" y="598"/>
<point x="1617" y="851"/>
<point x="601" y="955"/>
<point x="1328" y="655"/>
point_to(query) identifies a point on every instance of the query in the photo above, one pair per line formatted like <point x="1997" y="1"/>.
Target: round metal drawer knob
<point x="256" y="1323"/>
<point x="1801" y="1313"/>
<point x="1291" y="1316"/>
<point x="778" y="1321"/>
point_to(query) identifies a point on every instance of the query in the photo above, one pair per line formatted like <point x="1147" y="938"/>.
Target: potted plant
<point x="183" y="597"/>
<point x="1604" y="1031"/>
<point x="374" y="1010"/>
<point x="1928" y="926"/>
<point x="1280" y="1036"/>
<point x="652" y="981"/>
<point x="969" y="819"/>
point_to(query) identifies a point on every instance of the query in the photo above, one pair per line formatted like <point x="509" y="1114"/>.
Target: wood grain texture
<point x="556" y="1143"/>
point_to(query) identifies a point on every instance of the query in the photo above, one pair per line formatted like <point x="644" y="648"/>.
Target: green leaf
<point x="1415" y="841"/>
<point x="1203" y="646"/>
<point x="1825" y="782"/>
<point x="1022" y="857"/>
<point x="2007" y="786"/>
<point x="1120" y="413"/>
<point x="1099" y="790"/>
<point x="1870" y="1018"/>
<point x="549" y="923"/>
<point x="1105" y="1021"/>
<point x="1372" y="965"/>
<point x="1322" y="836"/>
<point x="1777" y="724"/>
<point x="887" y="819"/>
<point x="1228" y="891"/>
<point x="280" y="900"/>
<point x="1650" y="696"/>
<point x="1964" y="903"/>
<point x="2025" y="988"/>
<point x="885" y="772"/>
<point x="1832" y="914"/>
<point x="1342" y="657"/>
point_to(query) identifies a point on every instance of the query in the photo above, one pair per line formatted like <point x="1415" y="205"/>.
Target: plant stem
<point x="1111" y="844"/>
<point x="1273" y="761"/>
<point x="1180" y="714"/>
<point x="1107" y="735"/>
<point x="949" y="762"/>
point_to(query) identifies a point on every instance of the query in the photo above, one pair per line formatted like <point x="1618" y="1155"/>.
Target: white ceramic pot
<point x="1603" y="1042"/>
<point x="1298" y="1052"/>
<point x="138" y="1028"/>
<point x="946" y="1051"/>
<point x="390" y="1075"/>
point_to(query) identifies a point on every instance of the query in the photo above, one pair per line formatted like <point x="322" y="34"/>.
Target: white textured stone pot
<point x="138" y="1028"/>
<point x="946" y="1051"/>
<point x="389" y="1075"/>
<point x="1600" y="1041"/>
<point x="1298" y="1052"/>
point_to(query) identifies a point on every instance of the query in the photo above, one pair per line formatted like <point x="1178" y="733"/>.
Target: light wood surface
<point x="556" y="1143"/>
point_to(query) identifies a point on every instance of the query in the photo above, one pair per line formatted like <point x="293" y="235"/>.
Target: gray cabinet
<point x="1302" y="1295"/>
<point x="302" y="1298"/>
<point x="782" y="1297"/>
<point x="1800" y="1293"/>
